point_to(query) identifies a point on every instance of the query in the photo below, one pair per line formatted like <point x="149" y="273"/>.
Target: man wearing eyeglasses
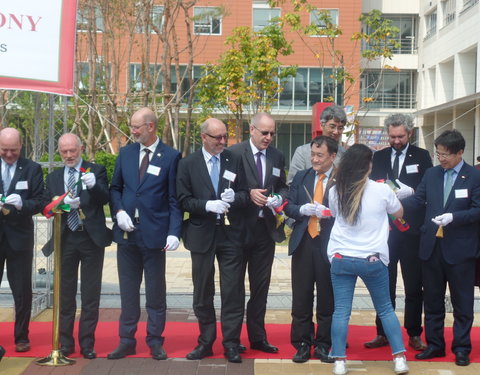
<point x="147" y="222"/>
<point x="333" y="120"/>
<point x="406" y="164"/>
<point x="448" y="245"/>
<point x="211" y="187"/>
<point x="264" y="167"/>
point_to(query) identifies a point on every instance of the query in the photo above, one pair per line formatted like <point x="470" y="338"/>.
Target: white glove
<point x="308" y="209"/>
<point x="228" y="195"/>
<point x="73" y="202"/>
<point x="274" y="202"/>
<point x="89" y="180"/>
<point x="124" y="221"/>
<point x="217" y="207"/>
<point x="444" y="219"/>
<point x="318" y="210"/>
<point x="172" y="243"/>
<point x="404" y="191"/>
<point x="15" y="200"/>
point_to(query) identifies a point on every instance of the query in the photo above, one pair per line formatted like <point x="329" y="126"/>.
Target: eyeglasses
<point x="442" y="155"/>
<point x="218" y="137"/>
<point x="338" y="128"/>
<point x="265" y="132"/>
<point x="137" y="127"/>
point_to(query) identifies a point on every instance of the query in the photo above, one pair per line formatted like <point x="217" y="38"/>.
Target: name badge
<point x="230" y="176"/>
<point x="84" y="186"/>
<point x="153" y="169"/>
<point x="413" y="168"/>
<point x="461" y="193"/>
<point x="21" y="185"/>
<point x="276" y="172"/>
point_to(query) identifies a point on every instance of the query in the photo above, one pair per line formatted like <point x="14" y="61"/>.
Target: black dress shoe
<point x="303" y="353"/>
<point x="158" y="352"/>
<point x="232" y="355"/>
<point x="430" y="353"/>
<point x="462" y="359"/>
<point x="321" y="352"/>
<point x="264" y="346"/>
<point x="67" y="351"/>
<point x="88" y="353"/>
<point x="201" y="351"/>
<point x="377" y="342"/>
<point x="22" y="347"/>
<point x="122" y="351"/>
<point x="2" y="352"/>
<point x="242" y="348"/>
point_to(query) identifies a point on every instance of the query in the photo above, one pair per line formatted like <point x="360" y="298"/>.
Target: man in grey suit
<point x="333" y="120"/>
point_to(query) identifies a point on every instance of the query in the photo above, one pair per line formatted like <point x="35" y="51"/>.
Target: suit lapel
<point x="16" y="175"/>
<point x="268" y="169"/>
<point x="309" y="185"/>
<point x="459" y="183"/>
<point x="251" y="161"/>
<point x="203" y="171"/>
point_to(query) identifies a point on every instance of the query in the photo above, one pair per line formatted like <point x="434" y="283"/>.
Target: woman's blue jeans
<point x="344" y="273"/>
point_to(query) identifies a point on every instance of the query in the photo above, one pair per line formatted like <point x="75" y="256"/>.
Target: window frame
<point x="210" y="24"/>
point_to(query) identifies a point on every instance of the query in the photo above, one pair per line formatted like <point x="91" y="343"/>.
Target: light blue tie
<point x="214" y="173"/>
<point x="73" y="218"/>
<point x="7" y="178"/>
<point x="448" y="185"/>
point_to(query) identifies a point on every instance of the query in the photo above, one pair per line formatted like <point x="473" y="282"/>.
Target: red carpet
<point x="180" y="338"/>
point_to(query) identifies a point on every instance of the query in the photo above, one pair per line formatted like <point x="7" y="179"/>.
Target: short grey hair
<point x="258" y="117"/>
<point x="333" y="112"/>
<point x="399" y="119"/>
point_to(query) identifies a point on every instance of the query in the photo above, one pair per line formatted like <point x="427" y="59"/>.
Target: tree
<point x="247" y="77"/>
<point x="375" y="43"/>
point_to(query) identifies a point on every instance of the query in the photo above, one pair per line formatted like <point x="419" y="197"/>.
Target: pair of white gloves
<point x="405" y="191"/>
<point x="220" y="206"/>
<point x="313" y="209"/>
<point x="125" y="223"/>
<point x="89" y="180"/>
<point x="13" y="199"/>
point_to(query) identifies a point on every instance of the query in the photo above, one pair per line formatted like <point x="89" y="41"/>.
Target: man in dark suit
<point x="449" y="245"/>
<point x="147" y="222"/>
<point x="211" y="188"/>
<point x="308" y="247"/>
<point x="407" y="164"/>
<point x="21" y="196"/>
<point x="83" y="241"/>
<point x="264" y="167"/>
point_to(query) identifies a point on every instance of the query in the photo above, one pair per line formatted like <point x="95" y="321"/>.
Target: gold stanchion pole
<point x="56" y="358"/>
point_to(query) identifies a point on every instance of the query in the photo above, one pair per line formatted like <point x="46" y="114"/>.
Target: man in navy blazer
<point x="22" y="188"/>
<point x="308" y="248"/>
<point x="408" y="167"/>
<point x="83" y="242"/>
<point x="448" y="245"/>
<point x="211" y="187"/>
<point x="147" y="222"/>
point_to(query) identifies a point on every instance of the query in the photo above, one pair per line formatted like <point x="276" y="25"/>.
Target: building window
<point x="430" y="24"/>
<point x="320" y="17"/>
<point x="309" y="86"/>
<point x="467" y="4"/>
<point x="102" y="76"/>
<point x="207" y="21"/>
<point x="388" y="89"/>
<point x="155" y="19"/>
<point x="85" y="18"/>
<point x="406" y="37"/>
<point x="448" y="10"/>
<point x="263" y="15"/>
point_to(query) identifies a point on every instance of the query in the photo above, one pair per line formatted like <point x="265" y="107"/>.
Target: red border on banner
<point x="64" y="86"/>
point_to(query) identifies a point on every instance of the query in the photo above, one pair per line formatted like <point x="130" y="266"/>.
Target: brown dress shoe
<point x="377" y="342"/>
<point x="22" y="347"/>
<point x="416" y="343"/>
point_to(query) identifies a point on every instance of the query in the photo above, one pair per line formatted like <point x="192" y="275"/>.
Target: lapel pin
<point x="226" y="159"/>
<point x="463" y="176"/>
<point x="159" y="154"/>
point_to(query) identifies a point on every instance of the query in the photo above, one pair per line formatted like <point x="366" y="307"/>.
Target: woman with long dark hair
<point x="358" y="248"/>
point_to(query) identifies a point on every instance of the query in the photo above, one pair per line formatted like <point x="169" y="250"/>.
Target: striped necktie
<point x="73" y="218"/>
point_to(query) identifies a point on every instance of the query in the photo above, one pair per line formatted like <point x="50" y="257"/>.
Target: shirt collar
<point x="77" y="166"/>
<point x="255" y="150"/>
<point x="207" y="156"/>
<point x="152" y="147"/>
<point x="404" y="151"/>
<point x="4" y="164"/>
<point x="327" y="173"/>
<point x="457" y="167"/>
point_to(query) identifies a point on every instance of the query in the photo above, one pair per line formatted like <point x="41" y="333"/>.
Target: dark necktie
<point x="144" y="163"/>
<point x="396" y="164"/>
<point x="73" y="219"/>
<point x="259" y="168"/>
